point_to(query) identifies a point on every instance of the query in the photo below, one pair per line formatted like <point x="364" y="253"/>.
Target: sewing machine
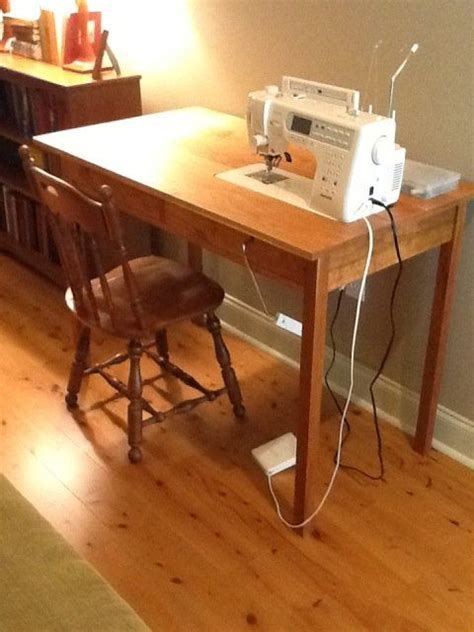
<point x="356" y="155"/>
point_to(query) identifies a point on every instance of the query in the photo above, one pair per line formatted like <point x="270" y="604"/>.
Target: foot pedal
<point x="276" y="455"/>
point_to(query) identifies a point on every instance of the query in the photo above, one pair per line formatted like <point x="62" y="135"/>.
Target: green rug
<point x="44" y="585"/>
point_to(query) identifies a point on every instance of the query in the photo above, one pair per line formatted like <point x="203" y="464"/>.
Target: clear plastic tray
<point x="426" y="181"/>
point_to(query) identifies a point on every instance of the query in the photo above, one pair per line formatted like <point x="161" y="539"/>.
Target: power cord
<point x="348" y="399"/>
<point x="253" y="277"/>
<point x="331" y="364"/>
<point x="382" y="364"/>
<point x="344" y="424"/>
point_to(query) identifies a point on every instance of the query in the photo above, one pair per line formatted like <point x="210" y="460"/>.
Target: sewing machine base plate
<point x="267" y="177"/>
<point x="285" y="186"/>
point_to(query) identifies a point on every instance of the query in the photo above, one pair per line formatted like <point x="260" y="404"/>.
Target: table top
<point x="175" y="156"/>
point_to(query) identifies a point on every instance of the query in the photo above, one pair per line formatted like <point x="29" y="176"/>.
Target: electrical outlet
<point x="290" y="324"/>
<point x="353" y="289"/>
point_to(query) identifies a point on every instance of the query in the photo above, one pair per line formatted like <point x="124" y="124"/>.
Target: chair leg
<point x="135" y="407"/>
<point x="78" y="367"/>
<point x="223" y="357"/>
<point x="161" y="341"/>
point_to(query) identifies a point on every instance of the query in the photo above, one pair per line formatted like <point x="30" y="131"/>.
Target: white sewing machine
<point x="356" y="155"/>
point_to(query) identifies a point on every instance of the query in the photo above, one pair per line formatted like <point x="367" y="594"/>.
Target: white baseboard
<point x="454" y="434"/>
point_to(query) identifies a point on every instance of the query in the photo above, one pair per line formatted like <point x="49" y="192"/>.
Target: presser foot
<point x="267" y="177"/>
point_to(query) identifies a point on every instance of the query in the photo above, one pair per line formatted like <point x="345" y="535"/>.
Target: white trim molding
<point x="454" y="434"/>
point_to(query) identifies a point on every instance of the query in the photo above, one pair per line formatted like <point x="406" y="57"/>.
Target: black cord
<point x="392" y="335"/>
<point x="347" y="425"/>
<point x="382" y="364"/>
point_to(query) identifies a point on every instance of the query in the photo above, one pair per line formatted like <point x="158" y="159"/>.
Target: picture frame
<point x="78" y="54"/>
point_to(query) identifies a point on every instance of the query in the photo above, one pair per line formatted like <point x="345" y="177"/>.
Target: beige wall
<point x="213" y="52"/>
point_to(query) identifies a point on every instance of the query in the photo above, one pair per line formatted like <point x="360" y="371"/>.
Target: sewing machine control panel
<point x="320" y="130"/>
<point x="332" y="166"/>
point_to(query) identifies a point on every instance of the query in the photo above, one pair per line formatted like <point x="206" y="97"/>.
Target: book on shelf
<point x="43" y="112"/>
<point x="4" y="113"/>
<point x="3" y="222"/>
<point x="30" y="110"/>
<point x="18" y="108"/>
<point x="28" y="34"/>
<point x="12" y="22"/>
<point x="48" y="37"/>
<point x="25" y="37"/>
<point x="22" y="220"/>
<point x="11" y="217"/>
<point x="26" y="210"/>
<point x="3" y="211"/>
<point x="27" y="49"/>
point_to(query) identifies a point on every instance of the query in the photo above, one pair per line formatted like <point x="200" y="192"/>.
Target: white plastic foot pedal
<point x="276" y="455"/>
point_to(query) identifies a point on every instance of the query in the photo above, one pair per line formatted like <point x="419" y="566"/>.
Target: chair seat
<point x="169" y="292"/>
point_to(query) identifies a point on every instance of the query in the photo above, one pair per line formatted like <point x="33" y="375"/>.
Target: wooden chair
<point x="134" y="299"/>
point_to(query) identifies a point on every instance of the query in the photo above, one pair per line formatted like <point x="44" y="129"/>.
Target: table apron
<point x="346" y="263"/>
<point x="190" y="224"/>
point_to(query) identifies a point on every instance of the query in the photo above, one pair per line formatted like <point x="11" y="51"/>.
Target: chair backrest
<point x="86" y="232"/>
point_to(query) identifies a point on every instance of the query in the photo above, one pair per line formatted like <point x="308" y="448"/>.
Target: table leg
<point x="438" y="335"/>
<point x="311" y="386"/>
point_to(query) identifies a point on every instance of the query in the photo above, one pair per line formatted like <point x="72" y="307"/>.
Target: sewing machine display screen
<point x="301" y="125"/>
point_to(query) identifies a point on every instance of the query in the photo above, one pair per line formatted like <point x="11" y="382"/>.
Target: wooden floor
<point x="190" y="537"/>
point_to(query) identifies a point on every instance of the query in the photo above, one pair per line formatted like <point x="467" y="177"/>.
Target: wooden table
<point x="162" y="168"/>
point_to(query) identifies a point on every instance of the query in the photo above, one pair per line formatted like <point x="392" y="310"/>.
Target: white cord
<point x="349" y="395"/>
<point x="253" y="277"/>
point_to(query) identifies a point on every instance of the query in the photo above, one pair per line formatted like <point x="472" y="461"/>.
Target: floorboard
<point x="190" y="537"/>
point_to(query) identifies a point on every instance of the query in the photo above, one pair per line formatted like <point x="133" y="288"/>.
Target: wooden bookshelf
<point x="32" y="258"/>
<point x="36" y="98"/>
<point x="8" y="130"/>
<point x="14" y="179"/>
